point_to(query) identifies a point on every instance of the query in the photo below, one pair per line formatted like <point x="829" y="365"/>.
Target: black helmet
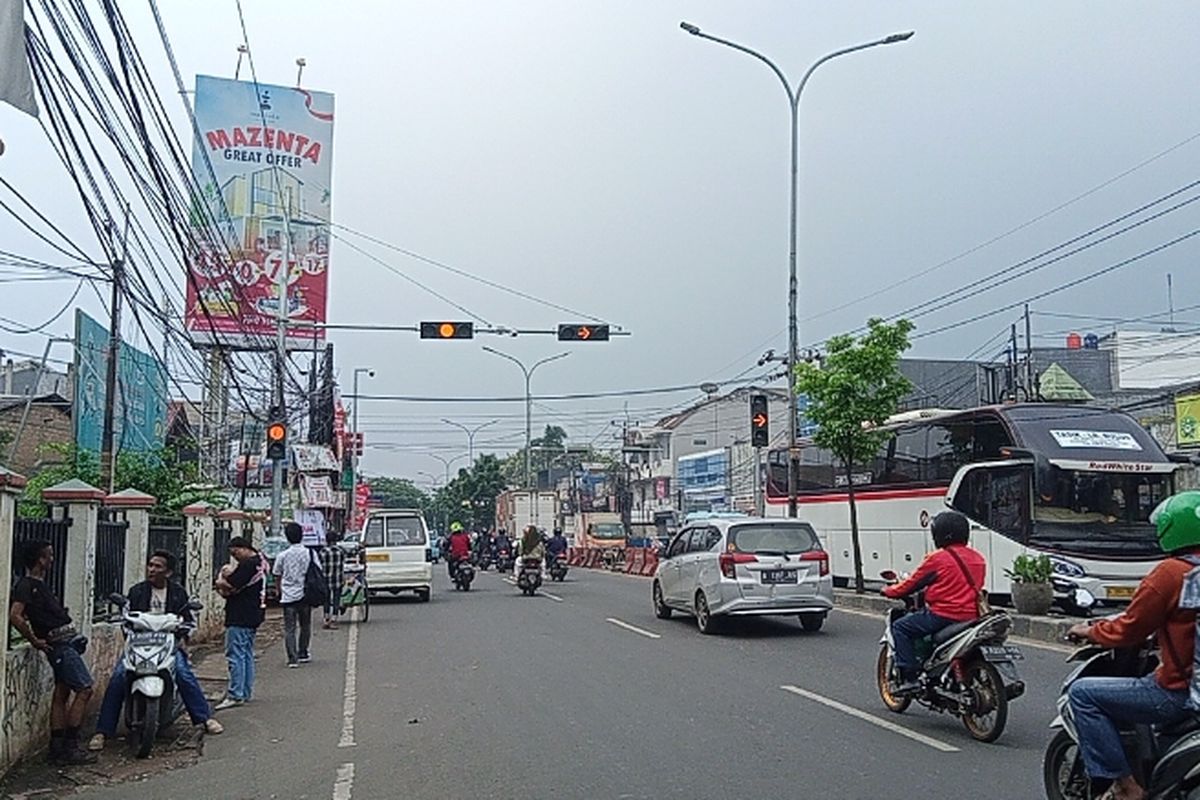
<point x="950" y="527"/>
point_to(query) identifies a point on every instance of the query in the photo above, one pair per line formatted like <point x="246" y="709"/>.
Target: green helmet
<point x="455" y="527"/>
<point x="1178" y="521"/>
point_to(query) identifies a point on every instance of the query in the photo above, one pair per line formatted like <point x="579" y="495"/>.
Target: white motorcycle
<point x="151" y="702"/>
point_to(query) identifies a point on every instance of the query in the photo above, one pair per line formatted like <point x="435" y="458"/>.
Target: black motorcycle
<point x="558" y="568"/>
<point x="1165" y="758"/>
<point x="464" y="573"/>
<point x="504" y="560"/>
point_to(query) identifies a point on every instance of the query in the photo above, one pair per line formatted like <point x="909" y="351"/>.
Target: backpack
<point x="316" y="588"/>
<point x="1189" y="598"/>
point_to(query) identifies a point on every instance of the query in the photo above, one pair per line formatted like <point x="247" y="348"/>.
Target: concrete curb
<point x="1038" y="629"/>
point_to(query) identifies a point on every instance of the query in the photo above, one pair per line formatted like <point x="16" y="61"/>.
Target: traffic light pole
<point x="280" y="365"/>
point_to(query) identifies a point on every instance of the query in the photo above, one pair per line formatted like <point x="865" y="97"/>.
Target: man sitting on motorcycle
<point x="556" y="547"/>
<point x="950" y="577"/>
<point x="1102" y="705"/>
<point x="158" y="594"/>
<point x="460" y="547"/>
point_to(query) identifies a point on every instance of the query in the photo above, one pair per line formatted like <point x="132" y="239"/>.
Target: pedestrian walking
<point x="291" y="566"/>
<point x="244" y="588"/>
<point x="333" y="562"/>
<point x="41" y="618"/>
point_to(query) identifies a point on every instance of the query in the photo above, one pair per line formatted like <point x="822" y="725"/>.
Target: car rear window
<point x="793" y="538"/>
<point x="400" y="532"/>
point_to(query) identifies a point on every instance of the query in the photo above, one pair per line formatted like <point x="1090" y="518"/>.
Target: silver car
<point x="746" y="566"/>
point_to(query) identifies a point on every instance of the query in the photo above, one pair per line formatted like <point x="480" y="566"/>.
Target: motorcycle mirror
<point x="118" y="599"/>
<point x="1083" y="598"/>
<point x="888" y="575"/>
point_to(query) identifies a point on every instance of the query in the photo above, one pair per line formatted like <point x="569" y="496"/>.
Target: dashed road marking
<point x="887" y="725"/>
<point x="350" y="696"/>
<point x="343" y="785"/>
<point x="633" y="628"/>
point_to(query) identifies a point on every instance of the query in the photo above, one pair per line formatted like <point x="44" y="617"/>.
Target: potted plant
<point x="1032" y="592"/>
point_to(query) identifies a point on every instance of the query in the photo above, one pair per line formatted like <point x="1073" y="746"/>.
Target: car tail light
<point x="728" y="562"/>
<point x="819" y="556"/>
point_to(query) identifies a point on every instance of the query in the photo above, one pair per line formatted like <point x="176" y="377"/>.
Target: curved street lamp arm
<point x="892" y="39"/>
<point x="792" y="96"/>
<point x="547" y="360"/>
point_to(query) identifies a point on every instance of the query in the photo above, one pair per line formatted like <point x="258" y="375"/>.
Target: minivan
<point x="398" y="552"/>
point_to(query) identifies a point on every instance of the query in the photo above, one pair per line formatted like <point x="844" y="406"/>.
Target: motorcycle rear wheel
<point x="1062" y="772"/>
<point x="883" y="671"/>
<point x="984" y="682"/>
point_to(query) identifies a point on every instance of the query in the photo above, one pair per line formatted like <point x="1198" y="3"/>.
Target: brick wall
<point x="47" y="424"/>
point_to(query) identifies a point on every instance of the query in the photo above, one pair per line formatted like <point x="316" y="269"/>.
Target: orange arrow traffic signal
<point x="760" y="420"/>
<point x="583" y="333"/>
<point x="760" y="434"/>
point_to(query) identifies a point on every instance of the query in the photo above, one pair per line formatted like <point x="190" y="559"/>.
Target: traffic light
<point x="760" y="433"/>
<point x="582" y="332"/>
<point x="277" y="439"/>
<point x="447" y="330"/>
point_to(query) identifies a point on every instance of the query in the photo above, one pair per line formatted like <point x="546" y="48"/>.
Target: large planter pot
<point x="1032" y="598"/>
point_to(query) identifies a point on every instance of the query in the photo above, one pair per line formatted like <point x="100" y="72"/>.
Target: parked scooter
<point x="558" y="568"/>
<point x="151" y="702"/>
<point x="1165" y="759"/>
<point x="464" y="573"/>
<point x="529" y="576"/>
<point x="966" y="670"/>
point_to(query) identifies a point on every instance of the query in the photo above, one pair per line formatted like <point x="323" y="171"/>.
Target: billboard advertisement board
<point x="140" y="415"/>
<point x="263" y="163"/>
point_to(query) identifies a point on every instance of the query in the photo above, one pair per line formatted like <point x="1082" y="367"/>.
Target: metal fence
<point x="111" y="530"/>
<point x="53" y="531"/>
<point x="222" y="533"/>
<point x="169" y="534"/>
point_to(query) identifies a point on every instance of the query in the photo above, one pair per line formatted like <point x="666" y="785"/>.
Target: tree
<point x="470" y="498"/>
<point x="853" y="391"/>
<point x="398" y="493"/>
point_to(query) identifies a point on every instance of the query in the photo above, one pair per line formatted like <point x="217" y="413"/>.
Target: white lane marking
<point x="350" y="696"/>
<point x="544" y="593"/>
<point x="344" y="783"/>
<point x="1021" y="640"/>
<point x="871" y="718"/>
<point x="634" y="628"/>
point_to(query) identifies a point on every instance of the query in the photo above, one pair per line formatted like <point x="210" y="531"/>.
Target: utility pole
<point x="107" y="456"/>
<point x="280" y="366"/>
<point x="1029" y="396"/>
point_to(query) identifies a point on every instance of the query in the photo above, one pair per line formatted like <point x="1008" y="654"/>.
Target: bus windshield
<point x="1098" y="513"/>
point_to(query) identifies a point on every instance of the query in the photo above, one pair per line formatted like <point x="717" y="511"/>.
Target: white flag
<point x="16" y="83"/>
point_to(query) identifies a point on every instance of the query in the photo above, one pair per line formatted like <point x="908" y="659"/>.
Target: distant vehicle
<point x="398" y="552"/>
<point x="603" y="529"/>
<point x="724" y="567"/>
<point x="517" y="509"/>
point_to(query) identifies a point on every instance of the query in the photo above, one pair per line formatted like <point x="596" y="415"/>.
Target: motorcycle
<point x="1165" y="758"/>
<point x="966" y="670"/>
<point x="558" y="568"/>
<point x="529" y="576"/>
<point x="151" y="702"/>
<point x="504" y="560"/>
<point x="464" y="573"/>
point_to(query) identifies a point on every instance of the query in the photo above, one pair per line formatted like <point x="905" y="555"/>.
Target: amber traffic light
<point x="447" y="330"/>
<point x="277" y="440"/>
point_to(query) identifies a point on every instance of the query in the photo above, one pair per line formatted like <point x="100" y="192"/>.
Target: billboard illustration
<point x="263" y="162"/>
<point x="140" y="416"/>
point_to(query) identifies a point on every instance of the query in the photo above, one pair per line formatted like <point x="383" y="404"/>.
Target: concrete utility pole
<point x="793" y="96"/>
<point x="528" y="403"/>
<point x="281" y="318"/>
<point x="352" y="502"/>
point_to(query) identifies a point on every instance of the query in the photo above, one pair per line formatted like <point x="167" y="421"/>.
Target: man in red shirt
<point x="460" y="547"/>
<point x="951" y="577"/>
<point x="1101" y="706"/>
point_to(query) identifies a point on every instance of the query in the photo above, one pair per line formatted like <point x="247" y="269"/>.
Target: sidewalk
<point x="182" y="745"/>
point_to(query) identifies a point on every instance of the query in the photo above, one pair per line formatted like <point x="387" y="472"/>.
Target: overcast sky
<point x="593" y="154"/>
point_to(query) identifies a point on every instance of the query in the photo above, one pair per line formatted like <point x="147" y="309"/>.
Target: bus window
<point x="997" y="498"/>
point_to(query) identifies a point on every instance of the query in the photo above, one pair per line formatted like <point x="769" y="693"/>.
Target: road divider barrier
<point x="635" y="560"/>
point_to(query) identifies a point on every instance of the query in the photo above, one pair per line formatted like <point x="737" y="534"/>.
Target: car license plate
<point x="1118" y="592"/>
<point x="1001" y="653"/>
<point x="780" y="576"/>
<point x="378" y="557"/>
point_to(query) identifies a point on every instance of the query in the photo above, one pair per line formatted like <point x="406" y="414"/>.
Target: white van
<point x="398" y="555"/>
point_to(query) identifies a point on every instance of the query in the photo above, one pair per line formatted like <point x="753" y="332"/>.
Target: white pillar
<point x="83" y="509"/>
<point x="11" y="485"/>
<point x="200" y="518"/>
<point x="136" y="507"/>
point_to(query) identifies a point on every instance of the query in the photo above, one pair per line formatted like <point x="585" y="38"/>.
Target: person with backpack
<point x="293" y="567"/>
<point x="1102" y="705"/>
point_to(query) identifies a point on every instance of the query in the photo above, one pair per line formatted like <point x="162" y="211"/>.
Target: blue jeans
<point x="1099" y="705"/>
<point x="185" y="681"/>
<point x="239" y="653"/>
<point x="906" y="631"/>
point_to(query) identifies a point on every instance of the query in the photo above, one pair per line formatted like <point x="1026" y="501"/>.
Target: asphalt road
<point x="583" y="693"/>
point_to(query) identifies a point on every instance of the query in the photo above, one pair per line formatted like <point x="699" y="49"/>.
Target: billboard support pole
<point x="280" y="365"/>
<point x="107" y="457"/>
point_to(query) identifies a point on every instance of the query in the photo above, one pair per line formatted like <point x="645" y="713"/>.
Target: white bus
<point x="1074" y="482"/>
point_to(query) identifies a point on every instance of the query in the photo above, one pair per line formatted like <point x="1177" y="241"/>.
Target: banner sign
<point x="263" y="162"/>
<point x="140" y="415"/>
<point x="1187" y="420"/>
<point x="314" y="458"/>
<point x="316" y="492"/>
<point x="313" y="524"/>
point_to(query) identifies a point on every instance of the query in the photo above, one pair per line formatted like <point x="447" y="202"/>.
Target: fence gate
<point x="53" y="531"/>
<point x="222" y="533"/>
<point x="169" y="534"/>
<point x="111" y="530"/>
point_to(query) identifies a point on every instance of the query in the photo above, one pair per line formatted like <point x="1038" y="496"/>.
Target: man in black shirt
<point x="46" y="625"/>
<point x="244" y="588"/>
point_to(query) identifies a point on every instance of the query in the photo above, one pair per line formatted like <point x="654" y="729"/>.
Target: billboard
<point x="140" y="415"/>
<point x="263" y="161"/>
<point x="1187" y="420"/>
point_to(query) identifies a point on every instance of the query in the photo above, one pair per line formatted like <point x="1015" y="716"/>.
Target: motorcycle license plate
<point x="780" y="576"/>
<point x="1001" y="653"/>
<point x="149" y="637"/>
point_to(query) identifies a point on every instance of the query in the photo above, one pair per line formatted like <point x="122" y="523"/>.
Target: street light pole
<point x="793" y="327"/>
<point x="446" y="462"/>
<point x="470" y="436"/>
<point x="353" y="501"/>
<point x="528" y="403"/>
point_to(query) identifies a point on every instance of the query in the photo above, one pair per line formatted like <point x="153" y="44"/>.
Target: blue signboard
<point x="703" y="471"/>
<point x="139" y="418"/>
<point x="805" y="428"/>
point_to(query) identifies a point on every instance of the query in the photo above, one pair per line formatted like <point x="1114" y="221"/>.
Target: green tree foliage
<point x="470" y="498"/>
<point x="855" y="389"/>
<point x="398" y="493"/>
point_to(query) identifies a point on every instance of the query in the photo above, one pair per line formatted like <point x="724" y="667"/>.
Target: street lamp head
<point x="690" y="28"/>
<point x="899" y="37"/>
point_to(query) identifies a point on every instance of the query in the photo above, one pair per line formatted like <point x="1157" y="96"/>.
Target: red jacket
<point x="460" y="545"/>
<point x="947" y="591"/>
